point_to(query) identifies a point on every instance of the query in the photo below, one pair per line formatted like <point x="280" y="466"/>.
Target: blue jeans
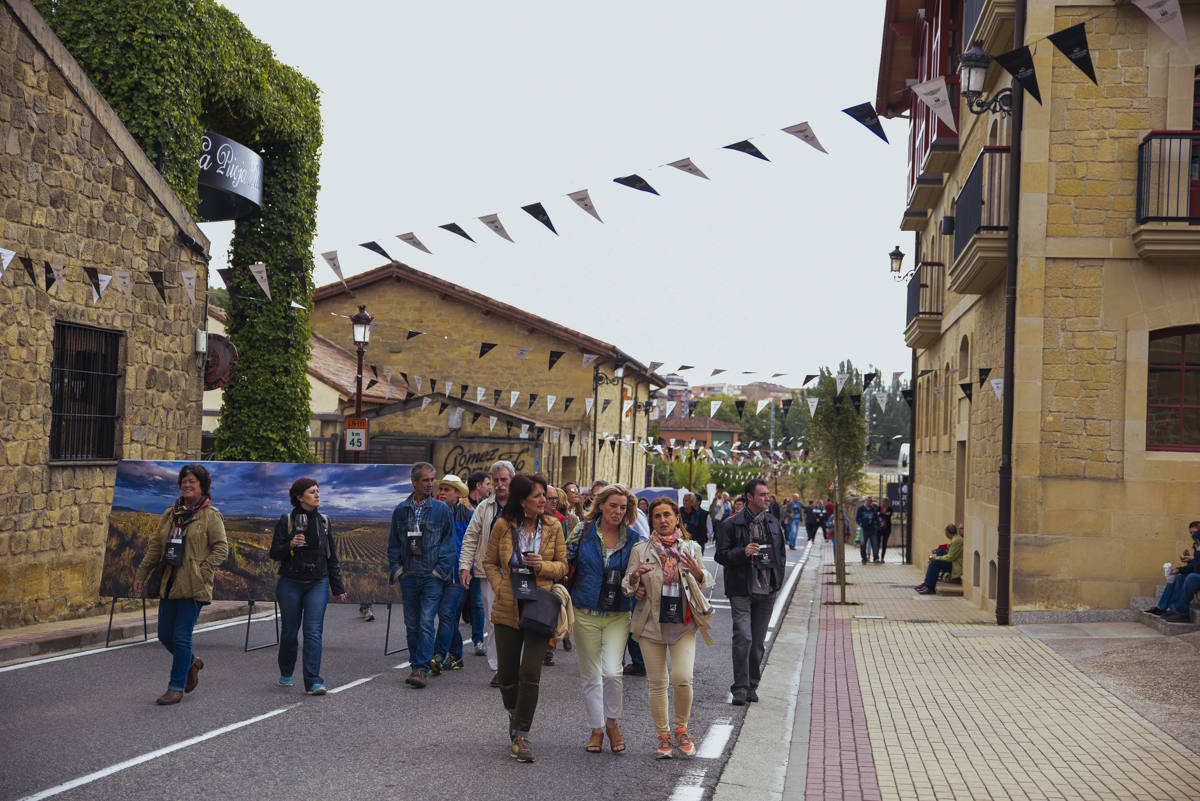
<point x="870" y="539"/>
<point x="1185" y="588"/>
<point x="635" y="653"/>
<point x="935" y="569"/>
<point x="449" y="638"/>
<point x="297" y="600"/>
<point x="793" y="532"/>
<point x="476" y="601"/>
<point x="176" y="619"/>
<point x="422" y="596"/>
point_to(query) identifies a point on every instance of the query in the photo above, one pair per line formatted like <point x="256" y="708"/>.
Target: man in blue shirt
<point x="422" y="551"/>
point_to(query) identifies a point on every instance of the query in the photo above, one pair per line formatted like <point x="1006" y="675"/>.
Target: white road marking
<point x="354" y="683"/>
<point x="690" y="786"/>
<point x="786" y="593"/>
<point x="138" y="760"/>
<point x="401" y="666"/>
<point x="715" y="740"/>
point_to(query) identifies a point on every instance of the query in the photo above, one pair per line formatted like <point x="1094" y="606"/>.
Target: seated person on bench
<point x="950" y="563"/>
<point x="1182" y="584"/>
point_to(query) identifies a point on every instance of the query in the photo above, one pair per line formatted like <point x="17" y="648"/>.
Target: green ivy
<point x="172" y="69"/>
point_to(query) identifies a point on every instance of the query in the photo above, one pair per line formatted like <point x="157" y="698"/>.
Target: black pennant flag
<point x="966" y="388"/>
<point x="865" y="113"/>
<point x="685" y="367"/>
<point x="532" y="399"/>
<point x="571" y="437"/>
<point x="1072" y="42"/>
<point x="567" y="404"/>
<point x="983" y="374"/>
<point x="455" y="228"/>
<point x="508" y="429"/>
<point x="156" y="276"/>
<point x="50" y="277"/>
<point x="924" y="373"/>
<point x="485" y="348"/>
<point x="538" y="212"/>
<point x="412" y="334"/>
<point x="837" y="403"/>
<point x="744" y="146"/>
<point x="786" y="403"/>
<point x="27" y="263"/>
<point x="404" y="377"/>
<point x="604" y="406"/>
<point x="374" y="370"/>
<point x="808" y="378"/>
<point x="636" y="181"/>
<point x="740" y="405"/>
<point x="462" y="391"/>
<point x="1019" y="63"/>
<point x="475" y="418"/>
<point x="907" y="394"/>
<point x="857" y="401"/>
<point x="93" y="278"/>
<point x="371" y="383"/>
<point x="555" y="355"/>
<point x="433" y="385"/>
<point x="442" y="407"/>
<point x="375" y="247"/>
<point x="496" y="396"/>
<point x="868" y="378"/>
<point x="691" y="408"/>
<point x="227" y="278"/>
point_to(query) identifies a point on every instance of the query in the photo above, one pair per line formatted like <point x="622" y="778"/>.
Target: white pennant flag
<point x="493" y="221"/>
<point x="449" y="386"/>
<point x="584" y="201"/>
<point x="587" y="405"/>
<point x="411" y="239"/>
<point x="712" y="408"/>
<point x="417" y="381"/>
<point x="524" y="430"/>
<point x="491" y="423"/>
<point x="104" y="281"/>
<point x="6" y="257"/>
<point x="626" y="406"/>
<point x="1165" y="14"/>
<point x="689" y="167"/>
<point x="998" y="388"/>
<point x="935" y="95"/>
<point x="762" y="404"/>
<point x="804" y="132"/>
<point x="189" y="283"/>
<point x="512" y="398"/>
<point x="125" y="281"/>
<point x="259" y="271"/>
<point x="841" y="381"/>
<point x="425" y="401"/>
<point x="479" y="393"/>
<point x="59" y="269"/>
<point x="881" y="398"/>
<point x="550" y="399"/>
<point x="896" y="376"/>
<point x="554" y="435"/>
<point x="588" y="358"/>
<point x="671" y="407"/>
<point x="522" y="353"/>
<point x="812" y="406"/>
<point x="331" y="257"/>
<point x="388" y="394"/>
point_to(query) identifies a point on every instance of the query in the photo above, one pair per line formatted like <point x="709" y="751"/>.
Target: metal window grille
<point x="84" y="379"/>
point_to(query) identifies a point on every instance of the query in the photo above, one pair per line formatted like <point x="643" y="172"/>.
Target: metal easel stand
<point x="388" y="635"/>
<point x="113" y="608"/>
<point x="249" y="616"/>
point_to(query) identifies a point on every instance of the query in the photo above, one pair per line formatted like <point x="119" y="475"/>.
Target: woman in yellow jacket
<point x="663" y="622"/>
<point x="190" y="544"/>
<point x="527" y="523"/>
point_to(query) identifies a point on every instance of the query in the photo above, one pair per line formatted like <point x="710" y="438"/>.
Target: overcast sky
<point x="445" y="112"/>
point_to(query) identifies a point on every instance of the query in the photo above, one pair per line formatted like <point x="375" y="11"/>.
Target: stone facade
<point x="1095" y="511"/>
<point x="78" y="190"/>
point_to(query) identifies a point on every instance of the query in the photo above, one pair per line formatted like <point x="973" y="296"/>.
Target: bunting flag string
<point x="1166" y="15"/>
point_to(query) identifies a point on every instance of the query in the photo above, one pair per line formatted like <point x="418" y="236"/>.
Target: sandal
<point x="615" y="741"/>
<point x="595" y="743"/>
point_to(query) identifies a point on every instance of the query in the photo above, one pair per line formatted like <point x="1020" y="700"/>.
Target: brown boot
<point x="169" y="697"/>
<point x="193" y="676"/>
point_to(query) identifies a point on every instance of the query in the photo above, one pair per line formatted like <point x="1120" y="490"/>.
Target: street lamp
<point x="361" y="325"/>
<point x="896" y="257"/>
<point x="973" y="67"/>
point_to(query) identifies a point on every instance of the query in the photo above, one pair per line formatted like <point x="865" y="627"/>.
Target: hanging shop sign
<point x="230" y="179"/>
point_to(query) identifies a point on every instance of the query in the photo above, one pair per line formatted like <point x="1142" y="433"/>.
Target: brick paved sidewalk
<point x="937" y="702"/>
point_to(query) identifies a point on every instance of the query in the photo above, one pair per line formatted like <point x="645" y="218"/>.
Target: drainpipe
<point x="1004" y="518"/>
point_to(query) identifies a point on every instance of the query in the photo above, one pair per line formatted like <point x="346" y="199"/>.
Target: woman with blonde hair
<point x="663" y="622"/>
<point x="600" y="549"/>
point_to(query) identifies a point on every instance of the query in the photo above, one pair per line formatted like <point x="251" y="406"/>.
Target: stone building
<point x="1106" y="435"/>
<point x="86" y="381"/>
<point x="582" y="405"/>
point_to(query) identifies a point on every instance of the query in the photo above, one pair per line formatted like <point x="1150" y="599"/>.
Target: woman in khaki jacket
<point x="663" y="622"/>
<point x="540" y="546"/>
<point x="190" y="544"/>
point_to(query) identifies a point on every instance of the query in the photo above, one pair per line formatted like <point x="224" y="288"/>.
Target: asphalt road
<point x="86" y="727"/>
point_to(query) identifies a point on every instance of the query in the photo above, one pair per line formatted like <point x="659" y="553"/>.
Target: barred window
<point x="1173" y="390"/>
<point x="84" y="380"/>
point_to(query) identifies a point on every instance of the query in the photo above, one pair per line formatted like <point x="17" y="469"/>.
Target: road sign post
<point x="356" y="434"/>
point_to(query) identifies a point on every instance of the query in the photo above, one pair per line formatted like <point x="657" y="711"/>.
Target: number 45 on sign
<point x="356" y="433"/>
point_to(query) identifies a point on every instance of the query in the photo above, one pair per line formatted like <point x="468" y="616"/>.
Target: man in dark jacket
<point x="751" y="548"/>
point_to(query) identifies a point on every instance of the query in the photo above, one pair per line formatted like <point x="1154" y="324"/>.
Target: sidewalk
<point x="937" y="702"/>
<point x="46" y="639"/>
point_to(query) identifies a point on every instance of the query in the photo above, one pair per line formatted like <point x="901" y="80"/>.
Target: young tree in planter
<point x="837" y="435"/>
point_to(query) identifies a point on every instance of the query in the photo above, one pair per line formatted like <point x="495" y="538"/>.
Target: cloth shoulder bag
<point x="539" y="614"/>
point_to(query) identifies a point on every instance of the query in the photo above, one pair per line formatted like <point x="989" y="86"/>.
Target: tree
<point x="689" y="472"/>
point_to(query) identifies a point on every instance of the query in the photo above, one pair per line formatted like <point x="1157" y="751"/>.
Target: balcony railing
<point x="1169" y="177"/>
<point x="982" y="204"/>
<point x="925" y="291"/>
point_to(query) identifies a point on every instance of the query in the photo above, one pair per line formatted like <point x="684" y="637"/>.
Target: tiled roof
<point x="695" y="424"/>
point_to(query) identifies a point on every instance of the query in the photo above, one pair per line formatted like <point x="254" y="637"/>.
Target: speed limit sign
<point x="356" y="433"/>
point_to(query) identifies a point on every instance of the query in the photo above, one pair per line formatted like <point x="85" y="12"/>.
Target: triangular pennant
<point x="998" y="388"/>
<point x="538" y="212"/>
<point x="935" y="95"/>
<point x="762" y="404"/>
<point x="636" y="181"/>
<point x="691" y="408"/>
<point x="493" y="221"/>
<point x="491" y="423"/>
<point x="717" y="372"/>
<point x="612" y="445"/>
<point x="567" y="404"/>
<point x="442" y="407"/>
<point x="475" y="417"/>
<point x="571" y="437"/>
<point x="550" y="399"/>
<point x="479" y="392"/>
<point x="512" y="398"/>
<point x="27" y="263"/>
<point x="455" y="228"/>
<point x="417" y="382"/>
<point x="837" y="403"/>
<point x="604" y="405"/>
<point x="744" y="146"/>
<point x="584" y="201"/>
<point x="462" y="391"/>
<point x="189" y="283"/>
<point x="259" y="271"/>
<point x="808" y="378"/>
<point x="102" y="284"/>
<point x="625" y="407"/>
<point x="375" y="247"/>
<point x="496" y="393"/>
<point x="881" y="398"/>
<point x="226" y="278"/>
<point x="554" y="436"/>
<point x="654" y="366"/>
<point x="804" y="132"/>
<point x="6" y="257"/>
<point x="433" y="385"/>
<point x="671" y="407"/>
<point x="485" y="348"/>
<point x="522" y="352"/>
<point x="868" y="378"/>
<point x="447" y="386"/>
<point x="1019" y="64"/>
<point x="907" y="396"/>
<point x="689" y="167"/>
<point x="410" y="334"/>
<point x="924" y="373"/>
<point x="524" y="430"/>
<point x="331" y="258"/>
<point x="411" y="239"/>
<point x="812" y="406"/>
<point x="508" y="428"/>
<point x="967" y="389"/>
<point x="157" y="277"/>
<point x="1165" y="14"/>
<point x="740" y="405"/>
<point x="683" y="367"/>
<point x="841" y="381"/>
<point x="786" y="403"/>
<point x="425" y="401"/>
<point x="896" y="376"/>
<point x="533" y="396"/>
<point x="588" y="358"/>
<point x="58" y="270"/>
<point x="865" y="114"/>
<point x="93" y="277"/>
<point x="555" y="355"/>
<point x="371" y="383"/>
<point x="983" y="374"/>
<point x="1072" y="42"/>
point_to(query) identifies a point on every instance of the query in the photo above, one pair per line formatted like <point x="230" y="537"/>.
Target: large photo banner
<point x="357" y="498"/>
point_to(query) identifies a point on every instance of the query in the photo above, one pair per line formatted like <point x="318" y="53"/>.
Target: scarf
<point x="181" y="513"/>
<point x="667" y="548"/>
